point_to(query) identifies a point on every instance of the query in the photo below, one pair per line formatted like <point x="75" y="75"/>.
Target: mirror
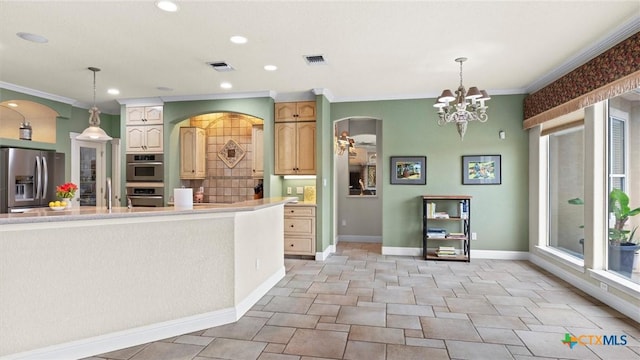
<point x="362" y="155"/>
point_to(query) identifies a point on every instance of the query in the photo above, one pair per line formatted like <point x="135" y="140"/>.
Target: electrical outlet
<point x="299" y="190"/>
<point x="344" y="222"/>
<point x="604" y="286"/>
<point x="474" y="236"/>
<point x="289" y="190"/>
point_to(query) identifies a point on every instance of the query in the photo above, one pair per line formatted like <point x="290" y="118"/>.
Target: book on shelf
<point x="436" y="233"/>
<point x="456" y="235"/>
<point x="438" y="254"/>
<point x="436" y="236"/>
<point x="463" y="210"/>
<point x="446" y="251"/>
<point x="441" y="215"/>
<point x="431" y="210"/>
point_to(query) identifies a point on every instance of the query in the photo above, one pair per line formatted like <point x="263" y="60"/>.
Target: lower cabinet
<point x="300" y="230"/>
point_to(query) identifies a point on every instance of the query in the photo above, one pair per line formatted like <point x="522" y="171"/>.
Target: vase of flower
<point x="69" y="202"/>
<point x="66" y="192"/>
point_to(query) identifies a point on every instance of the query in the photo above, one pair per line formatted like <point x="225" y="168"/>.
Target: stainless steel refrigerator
<point x="28" y="178"/>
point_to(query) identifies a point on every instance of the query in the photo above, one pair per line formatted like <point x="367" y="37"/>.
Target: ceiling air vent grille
<point x="315" y="60"/>
<point x="221" y="66"/>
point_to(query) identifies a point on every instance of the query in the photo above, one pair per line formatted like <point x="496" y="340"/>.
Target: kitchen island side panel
<point x="66" y="281"/>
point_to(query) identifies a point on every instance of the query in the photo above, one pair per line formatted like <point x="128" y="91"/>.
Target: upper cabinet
<point x="192" y="153"/>
<point x="257" y="142"/>
<point x="295" y="111"/>
<point x="147" y="139"/>
<point x="295" y="138"/>
<point x="144" y="115"/>
<point x="145" y="131"/>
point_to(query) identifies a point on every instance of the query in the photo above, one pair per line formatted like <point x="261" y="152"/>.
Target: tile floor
<point x="359" y="304"/>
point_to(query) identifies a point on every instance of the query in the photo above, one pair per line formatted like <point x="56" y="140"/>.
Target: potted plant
<point x="622" y="245"/>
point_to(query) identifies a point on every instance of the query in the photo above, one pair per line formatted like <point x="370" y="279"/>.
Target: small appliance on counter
<point x="198" y="197"/>
<point x="258" y="191"/>
<point x="25" y="131"/>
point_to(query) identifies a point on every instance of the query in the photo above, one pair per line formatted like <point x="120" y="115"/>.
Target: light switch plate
<point x="299" y="190"/>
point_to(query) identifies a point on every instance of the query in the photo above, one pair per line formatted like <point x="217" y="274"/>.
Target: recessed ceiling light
<point x="113" y="92"/>
<point x="12" y="104"/>
<point x="32" y="37"/>
<point x="164" y="88"/>
<point x="237" y="39"/>
<point x="270" y="67"/>
<point x="226" y="85"/>
<point x="167" y="5"/>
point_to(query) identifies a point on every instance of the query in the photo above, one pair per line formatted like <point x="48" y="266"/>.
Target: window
<point x="617" y="153"/>
<point x="566" y="182"/>
<point x="623" y="140"/>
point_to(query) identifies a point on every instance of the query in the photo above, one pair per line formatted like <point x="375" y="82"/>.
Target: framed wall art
<point x="409" y="170"/>
<point x="481" y="170"/>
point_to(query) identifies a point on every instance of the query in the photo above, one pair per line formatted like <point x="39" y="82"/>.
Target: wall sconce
<point x="502" y="135"/>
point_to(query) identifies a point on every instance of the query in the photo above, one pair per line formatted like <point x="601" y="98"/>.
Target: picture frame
<point x="481" y="170"/>
<point x="408" y="170"/>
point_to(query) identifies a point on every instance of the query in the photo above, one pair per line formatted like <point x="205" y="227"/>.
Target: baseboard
<point x="361" y="238"/>
<point x="401" y="251"/>
<point x="614" y="302"/>
<point x="323" y="255"/>
<point x="499" y="255"/>
<point x="475" y="254"/>
<point x="154" y="332"/>
<point x="243" y="306"/>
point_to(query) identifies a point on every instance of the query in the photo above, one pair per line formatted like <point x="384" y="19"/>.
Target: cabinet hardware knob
<point x="291" y="225"/>
<point x="291" y="245"/>
<point x="292" y="211"/>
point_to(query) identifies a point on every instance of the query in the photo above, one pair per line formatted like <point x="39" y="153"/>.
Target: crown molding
<point x="614" y="37"/>
<point x="38" y="93"/>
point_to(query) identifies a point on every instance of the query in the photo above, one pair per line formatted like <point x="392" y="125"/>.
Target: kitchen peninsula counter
<point x="80" y="282"/>
<point x="45" y="214"/>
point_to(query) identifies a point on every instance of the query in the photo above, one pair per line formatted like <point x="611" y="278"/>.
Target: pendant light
<point x="94" y="132"/>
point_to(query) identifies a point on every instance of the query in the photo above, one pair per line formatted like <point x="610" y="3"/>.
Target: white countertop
<point x="45" y="214"/>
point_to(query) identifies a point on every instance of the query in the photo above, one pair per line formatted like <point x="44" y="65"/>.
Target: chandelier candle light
<point x="467" y="105"/>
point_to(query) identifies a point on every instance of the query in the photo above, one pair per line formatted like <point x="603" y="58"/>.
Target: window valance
<point x="612" y="73"/>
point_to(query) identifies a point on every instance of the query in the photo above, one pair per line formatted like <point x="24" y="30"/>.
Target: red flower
<point x="66" y="191"/>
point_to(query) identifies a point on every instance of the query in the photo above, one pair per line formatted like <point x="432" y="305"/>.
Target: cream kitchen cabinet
<point x="295" y="148"/>
<point x="144" y="115"/>
<point x="146" y="138"/>
<point x="300" y="229"/>
<point x="295" y="111"/>
<point x="257" y="142"/>
<point x="295" y="138"/>
<point x="193" y="158"/>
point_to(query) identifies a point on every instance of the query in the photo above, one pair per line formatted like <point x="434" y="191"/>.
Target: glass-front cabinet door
<point x="87" y="186"/>
<point x="88" y="169"/>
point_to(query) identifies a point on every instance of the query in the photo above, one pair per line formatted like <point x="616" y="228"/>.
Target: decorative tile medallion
<point x="231" y="153"/>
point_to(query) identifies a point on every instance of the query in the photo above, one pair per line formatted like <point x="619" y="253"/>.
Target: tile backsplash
<point x="224" y="184"/>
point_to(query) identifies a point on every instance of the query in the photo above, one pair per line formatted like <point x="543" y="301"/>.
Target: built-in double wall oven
<point x="145" y="179"/>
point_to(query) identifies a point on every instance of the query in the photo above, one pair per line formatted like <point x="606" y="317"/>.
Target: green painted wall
<point x="70" y="119"/>
<point x="499" y="212"/>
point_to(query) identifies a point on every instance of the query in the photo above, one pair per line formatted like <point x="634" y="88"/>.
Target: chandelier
<point x="343" y="142"/>
<point x="467" y="105"/>
<point x="94" y="132"/>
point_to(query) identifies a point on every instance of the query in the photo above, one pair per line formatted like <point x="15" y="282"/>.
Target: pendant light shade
<point x="94" y="132"/>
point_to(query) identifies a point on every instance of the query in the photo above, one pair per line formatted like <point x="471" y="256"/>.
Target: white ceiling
<point x="374" y="49"/>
